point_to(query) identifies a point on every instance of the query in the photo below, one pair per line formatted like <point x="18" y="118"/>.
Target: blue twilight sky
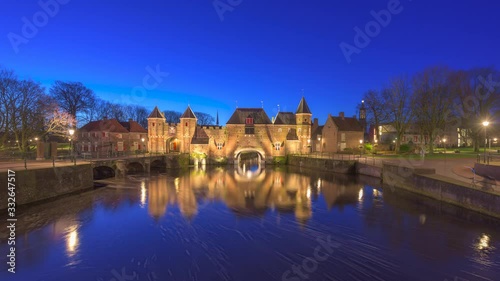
<point x="262" y="50"/>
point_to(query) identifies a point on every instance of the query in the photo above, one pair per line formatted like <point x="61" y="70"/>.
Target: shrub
<point x="348" y="150"/>
<point x="368" y="147"/>
<point x="278" y="160"/>
<point x="404" y="148"/>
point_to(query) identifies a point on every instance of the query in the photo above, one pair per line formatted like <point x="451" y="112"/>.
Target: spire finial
<point x="217" y="121"/>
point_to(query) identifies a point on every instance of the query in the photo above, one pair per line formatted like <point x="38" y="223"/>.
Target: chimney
<point x="315" y="122"/>
<point x="341" y="115"/>
<point x="130" y="120"/>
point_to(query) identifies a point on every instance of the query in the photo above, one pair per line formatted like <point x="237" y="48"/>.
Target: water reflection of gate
<point x="249" y="169"/>
<point x="265" y="190"/>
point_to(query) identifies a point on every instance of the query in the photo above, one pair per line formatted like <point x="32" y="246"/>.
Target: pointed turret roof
<point x="303" y="107"/>
<point x="156" y="113"/>
<point x="188" y="113"/>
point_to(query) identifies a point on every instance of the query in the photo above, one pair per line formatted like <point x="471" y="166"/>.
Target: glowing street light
<point x="320" y="145"/>
<point x="485" y="124"/>
<point x="71" y="132"/>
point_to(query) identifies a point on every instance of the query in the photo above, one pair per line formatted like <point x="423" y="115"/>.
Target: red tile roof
<point x="240" y="114"/>
<point x="347" y="123"/>
<point x="133" y="127"/>
<point x="108" y="125"/>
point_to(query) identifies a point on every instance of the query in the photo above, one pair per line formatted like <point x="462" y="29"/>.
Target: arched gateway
<point x="247" y="130"/>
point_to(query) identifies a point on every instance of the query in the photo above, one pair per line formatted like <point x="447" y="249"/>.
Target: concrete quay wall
<point x="40" y="184"/>
<point x="422" y="181"/>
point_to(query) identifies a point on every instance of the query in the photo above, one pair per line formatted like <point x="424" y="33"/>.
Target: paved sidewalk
<point x="458" y="169"/>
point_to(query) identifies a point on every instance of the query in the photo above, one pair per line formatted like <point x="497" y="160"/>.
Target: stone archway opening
<point x="158" y="166"/>
<point x="173" y="145"/>
<point x="103" y="172"/>
<point x="135" y="168"/>
<point x="249" y="162"/>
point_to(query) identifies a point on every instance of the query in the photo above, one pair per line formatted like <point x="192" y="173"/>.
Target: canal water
<point x="250" y="224"/>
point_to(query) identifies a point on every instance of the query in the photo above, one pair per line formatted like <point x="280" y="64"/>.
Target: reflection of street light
<point x="485" y="124"/>
<point x="71" y="132"/>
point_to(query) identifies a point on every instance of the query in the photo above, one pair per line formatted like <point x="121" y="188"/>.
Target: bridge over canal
<point x="120" y="167"/>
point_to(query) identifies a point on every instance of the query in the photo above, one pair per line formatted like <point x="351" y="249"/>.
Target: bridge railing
<point x="362" y="158"/>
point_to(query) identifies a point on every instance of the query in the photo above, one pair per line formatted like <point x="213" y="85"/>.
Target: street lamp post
<point x="485" y="124"/>
<point x="71" y="132"/>
<point x="144" y="150"/>
<point x="320" y="146"/>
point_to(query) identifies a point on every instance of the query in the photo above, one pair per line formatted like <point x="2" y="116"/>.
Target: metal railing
<point x="362" y="158"/>
<point x="488" y="158"/>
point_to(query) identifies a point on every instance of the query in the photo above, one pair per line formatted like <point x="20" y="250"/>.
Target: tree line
<point x="28" y="111"/>
<point x="437" y="100"/>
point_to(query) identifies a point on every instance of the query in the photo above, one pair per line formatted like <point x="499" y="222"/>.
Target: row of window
<point x="106" y="134"/>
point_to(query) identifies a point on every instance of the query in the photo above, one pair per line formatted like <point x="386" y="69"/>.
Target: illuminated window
<point x="219" y="145"/>
<point x="277" y="146"/>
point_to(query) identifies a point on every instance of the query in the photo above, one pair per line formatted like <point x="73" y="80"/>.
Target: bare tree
<point x="476" y="96"/>
<point x="431" y="102"/>
<point x="172" y="116"/>
<point x="204" y="118"/>
<point x="73" y="97"/>
<point x="8" y="88"/>
<point x="397" y="99"/>
<point x="137" y="113"/>
<point x="28" y="118"/>
<point x="375" y="110"/>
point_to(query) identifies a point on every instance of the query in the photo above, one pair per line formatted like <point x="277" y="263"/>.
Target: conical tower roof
<point x="156" y="113"/>
<point x="188" y="113"/>
<point x="303" y="107"/>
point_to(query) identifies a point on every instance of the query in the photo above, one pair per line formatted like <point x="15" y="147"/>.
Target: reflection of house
<point x="248" y="129"/>
<point x="109" y="135"/>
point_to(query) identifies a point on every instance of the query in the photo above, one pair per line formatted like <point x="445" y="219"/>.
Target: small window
<point x="249" y="121"/>
<point x="186" y="124"/>
<point x="277" y="146"/>
<point x="153" y="124"/>
<point x="219" y="145"/>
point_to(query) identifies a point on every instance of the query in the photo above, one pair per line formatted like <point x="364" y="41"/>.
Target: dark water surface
<point x="225" y="224"/>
